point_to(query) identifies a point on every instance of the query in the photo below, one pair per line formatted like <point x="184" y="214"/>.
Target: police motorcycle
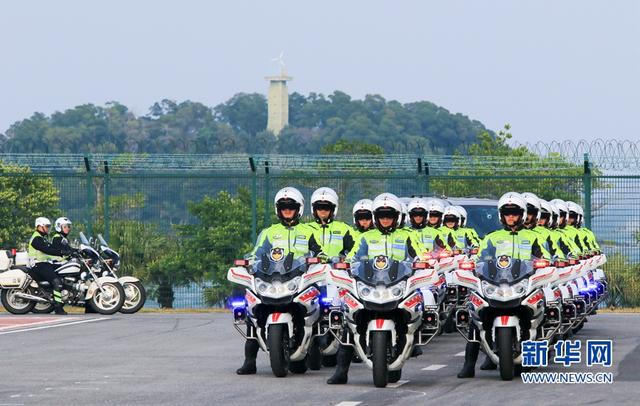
<point x="506" y="305"/>
<point x="282" y="308"/>
<point x="135" y="292"/>
<point x="82" y="285"/>
<point x="387" y="307"/>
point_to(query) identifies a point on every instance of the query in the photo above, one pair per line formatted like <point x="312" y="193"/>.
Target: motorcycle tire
<point x="379" y="345"/>
<point x="505" y="353"/>
<point x="15" y="305"/>
<point x="111" y="305"/>
<point x="42" y="308"/>
<point x="314" y="356"/>
<point x="394" y="376"/>
<point x="278" y="341"/>
<point x="136" y="299"/>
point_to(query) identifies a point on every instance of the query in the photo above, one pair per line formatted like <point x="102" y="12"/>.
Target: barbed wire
<point x="616" y="155"/>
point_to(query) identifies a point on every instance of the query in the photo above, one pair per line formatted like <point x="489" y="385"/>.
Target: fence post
<point x="418" y="180"/>
<point x="89" y="208"/>
<point x="426" y="179"/>
<point x="254" y="200"/>
<point x="107" y="188"/>
<point x="587" y="181"/>
<point x="266" y="194"/>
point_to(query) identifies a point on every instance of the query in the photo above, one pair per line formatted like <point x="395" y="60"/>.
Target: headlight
<point x="398" y="289"/>
<point x="488" y="289"/>
<point x="292" y="285"/>
<point x="261" y="286"/>
<point x="521" y="287"/>
<point x="364" y="290"/>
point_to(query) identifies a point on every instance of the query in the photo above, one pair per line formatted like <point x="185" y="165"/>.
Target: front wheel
<point x="278" y="341"/>
<point x="42" y="308"/>
<point x="314" y="355"/>
<point x="14" y="304"/>
<point x="379" y="345"/>
<point x="505" y="353"/>
<point x="135" y="296"/>
<point x="109" y="300"/>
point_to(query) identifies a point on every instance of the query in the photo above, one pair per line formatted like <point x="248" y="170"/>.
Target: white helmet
<point x="451" y="211"/>
<point x="61" y="222"/>
<point x="325" y="194"/>
<point x="546" y="208"/>
<point x="289" y="194"/>
<point x="573" y="207"/>
<point x="436" y="205"/>
<point x="417" y="206"/>
<point x="515" y="201"/>
<point x="43" y="221"/>
<point x="463" y="216"/>
<point x="561" y="205"/>
<point x="362" y="205"/>
<point x="534" y="201"/>
<point x="555" y="215"/>
<point x="389" y="203"/>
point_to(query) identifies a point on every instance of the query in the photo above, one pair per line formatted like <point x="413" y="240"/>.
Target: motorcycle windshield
<point x="83" y="239"/>
<point x="102" y="241"/>
<point x="381" y="271"/>
<point x="288" y="265"/>
<point x="504" y="270"/>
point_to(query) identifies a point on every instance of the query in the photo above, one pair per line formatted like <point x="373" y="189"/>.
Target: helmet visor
<point x="386" y="213"/>
<point x="511" y="211"/>
<point x="323" y="206"/>
<point x="363" y="215"/>
<point x="288" y="204"/>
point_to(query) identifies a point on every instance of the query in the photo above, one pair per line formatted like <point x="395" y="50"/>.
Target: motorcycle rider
<point x="581" y="234"/>
<point x="513" y="240"/>
<point x="362" y="217"/>
<point x="286" y="236"/>
<point x="425" y="217"/>
<point x="333" y="235"/>
<point x="62" y="227"/>
<point x="41" y="252"/>
<point x="451" y="221"/>
<point x="566" y="233"/>
<point x="470" y="231"/>
<point x="388" y="239"/>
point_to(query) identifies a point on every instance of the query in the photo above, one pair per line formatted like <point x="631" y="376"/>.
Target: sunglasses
<point x="288" y="206"/>
<point x="421" y="213"/>
<point x="511" y="212"/>
<point x="386" y="215"/>
<point x="363" y="216"/>
<point x="323" y="206"/>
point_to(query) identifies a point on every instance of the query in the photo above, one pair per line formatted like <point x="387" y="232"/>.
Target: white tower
<point x="278" y="99"/>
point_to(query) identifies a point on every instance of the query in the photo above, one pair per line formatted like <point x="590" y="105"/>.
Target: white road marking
<point x="460" y="354"/>
<point x="433" y="367"/>
<point x="37" y="323"/>
<point x="53" y="326"/>
<point x="348" y="403"/>
<point x="397" y="384"/>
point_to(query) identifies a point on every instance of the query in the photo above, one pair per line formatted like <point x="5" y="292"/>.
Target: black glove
<point x="68" y="251"/>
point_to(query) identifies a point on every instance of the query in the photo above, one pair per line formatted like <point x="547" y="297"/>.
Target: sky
<point x="554" y="70"/>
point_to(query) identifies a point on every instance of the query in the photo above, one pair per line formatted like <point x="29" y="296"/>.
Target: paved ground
<point x="153" y="359"/>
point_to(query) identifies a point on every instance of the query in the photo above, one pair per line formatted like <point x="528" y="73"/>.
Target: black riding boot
<point x="488" y="365"/>
<point x="470" y="358"/>
<point x="340" y="376"/>
<point x="57" y="297"/>
<point x="251" y="348"/>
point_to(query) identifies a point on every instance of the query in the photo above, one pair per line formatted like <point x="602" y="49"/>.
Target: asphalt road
<point x="158" y="359"/>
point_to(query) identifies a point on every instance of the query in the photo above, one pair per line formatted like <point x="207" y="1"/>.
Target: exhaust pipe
<point x="31" y="297"/>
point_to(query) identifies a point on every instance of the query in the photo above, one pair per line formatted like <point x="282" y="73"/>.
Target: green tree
<point x="23" y="197"/>
<point x="207" y="249"/>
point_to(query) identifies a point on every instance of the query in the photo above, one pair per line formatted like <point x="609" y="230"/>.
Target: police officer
<point x="362" y="217"/>
<point x="386" y="239"/>
<point x="333" y="235"/>
<point x="513" y="240"/>
<point x="425" y="217"/>
<point x="42" y="252"/>
<point x="286" y="236"/>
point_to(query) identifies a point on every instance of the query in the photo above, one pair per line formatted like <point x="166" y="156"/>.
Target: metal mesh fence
<point x="140" y="203"/>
